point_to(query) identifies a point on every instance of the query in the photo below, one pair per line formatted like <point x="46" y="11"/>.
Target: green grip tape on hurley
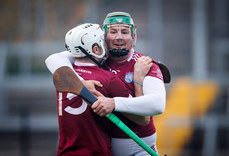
<point x="131" y="134"/>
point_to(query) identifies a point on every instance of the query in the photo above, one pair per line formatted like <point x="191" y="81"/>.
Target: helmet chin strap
<point x="100" y="64"/>
<point x="118" y="52"/>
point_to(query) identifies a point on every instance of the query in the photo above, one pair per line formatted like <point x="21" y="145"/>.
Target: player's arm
<point x="154" y="95"/>
<point x="57" y="60"/>
<point x="141" y="68"/>
<point x="65" y="58"/>
<point x="152" y="103"/>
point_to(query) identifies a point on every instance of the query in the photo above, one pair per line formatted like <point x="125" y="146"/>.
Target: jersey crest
<point x="129" y="77"/>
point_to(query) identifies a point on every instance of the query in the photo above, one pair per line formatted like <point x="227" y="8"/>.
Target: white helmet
<point x="79" y="40"/>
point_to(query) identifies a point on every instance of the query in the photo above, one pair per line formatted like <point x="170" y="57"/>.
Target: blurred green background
<point x="190" y="36"/>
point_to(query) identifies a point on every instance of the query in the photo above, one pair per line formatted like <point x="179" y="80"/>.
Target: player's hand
<point x="103" y="106"/>
<point x="90" y="84"/>
<point x="141" y="68"/>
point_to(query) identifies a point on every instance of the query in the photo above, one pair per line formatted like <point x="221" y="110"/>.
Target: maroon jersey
<point x="126" y="70"/>
<point x="82" y="132"/>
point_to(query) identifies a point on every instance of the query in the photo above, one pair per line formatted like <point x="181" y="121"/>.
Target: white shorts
<point x="128" y="147"/>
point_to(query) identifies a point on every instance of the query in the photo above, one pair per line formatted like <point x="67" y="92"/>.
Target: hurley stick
<point x="65" y="80"/>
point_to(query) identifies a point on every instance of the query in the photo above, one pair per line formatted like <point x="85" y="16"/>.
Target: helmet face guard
<point x="118" y="39"/>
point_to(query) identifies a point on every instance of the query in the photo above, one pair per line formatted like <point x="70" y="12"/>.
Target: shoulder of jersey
<point x="136" y="55"/>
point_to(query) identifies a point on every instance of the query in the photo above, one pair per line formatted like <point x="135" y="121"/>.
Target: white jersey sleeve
<point x="57" y="60"/>
<point x="151" y="103"/>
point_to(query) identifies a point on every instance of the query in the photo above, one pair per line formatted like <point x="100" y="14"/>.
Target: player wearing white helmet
<point x="82" y="132"/>
<point x="123" y="60"/>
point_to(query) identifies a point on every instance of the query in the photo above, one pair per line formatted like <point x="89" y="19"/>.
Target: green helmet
<point x="119" y="18"/>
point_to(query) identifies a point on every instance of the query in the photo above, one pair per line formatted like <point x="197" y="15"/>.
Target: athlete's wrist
<point x="138" y="79"/>
<point x="141" y="84"/>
